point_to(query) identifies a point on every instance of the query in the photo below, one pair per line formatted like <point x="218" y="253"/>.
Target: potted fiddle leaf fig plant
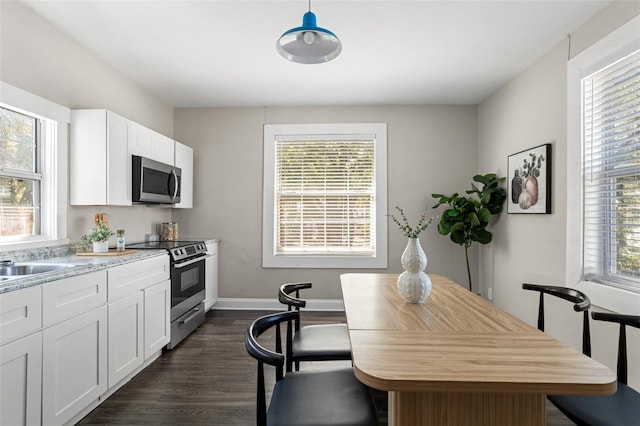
<point x="467" y="217"/>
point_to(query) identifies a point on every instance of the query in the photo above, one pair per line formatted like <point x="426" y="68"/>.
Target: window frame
<point x="34" y="175"/>
<point x="377" y="131"/>
<point x="611" y="48"/>
<point x="55" y="120"/>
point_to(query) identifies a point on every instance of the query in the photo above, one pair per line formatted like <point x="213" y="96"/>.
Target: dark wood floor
<point x="209" y="379"/>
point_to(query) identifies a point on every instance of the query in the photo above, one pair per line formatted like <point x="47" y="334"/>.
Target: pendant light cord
<point x="309" y="5"/>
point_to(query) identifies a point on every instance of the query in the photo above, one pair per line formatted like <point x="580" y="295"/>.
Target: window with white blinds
<point x="325" y="196"/>
<point x="323" y="190"/>
<point x="611" y="173"/>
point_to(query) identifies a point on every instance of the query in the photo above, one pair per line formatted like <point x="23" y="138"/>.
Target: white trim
<point x="252" y="304"/>
<point x="57" y="158"/>
<point x="269" y="258"/>
<point x="619" y="43"/>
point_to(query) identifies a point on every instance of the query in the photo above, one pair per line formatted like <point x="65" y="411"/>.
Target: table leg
<point x="425" y="408"/>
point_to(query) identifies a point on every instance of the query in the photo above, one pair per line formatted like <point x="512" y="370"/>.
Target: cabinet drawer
<point x="127" y="279"/>
<point x="20" y="313"/>
<point x="71" y="296"/>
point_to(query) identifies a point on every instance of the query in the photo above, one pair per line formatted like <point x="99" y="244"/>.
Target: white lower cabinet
<point x="21" y="381"/>
<point x="74" y="368"/>
<point x="157" y="317"/>
<point x="66" y="344"/>
<point x="211" y="274"/>
<point x="139" y="314"/>
<point x="126" y="352"/>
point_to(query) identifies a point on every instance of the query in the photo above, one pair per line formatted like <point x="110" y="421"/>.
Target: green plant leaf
<point x="473" y="219"/>
<point x="452" y="213"/>
<point x="484" y="215"/>
<point x="482" y="236"/>
<point x="458" y="237"/>
<point x="456" y="227"/>
<point x="443" y="227"/>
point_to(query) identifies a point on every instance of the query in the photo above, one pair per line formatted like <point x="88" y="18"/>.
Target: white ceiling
<point x="222" y="53"/>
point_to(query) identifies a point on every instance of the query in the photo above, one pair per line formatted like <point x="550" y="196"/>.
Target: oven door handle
<point x="188" y="262"/>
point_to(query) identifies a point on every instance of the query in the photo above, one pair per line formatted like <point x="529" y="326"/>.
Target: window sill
<point x="26" y="245"/>
<point x="611" y="298"/>
<point x="321" y="262"/>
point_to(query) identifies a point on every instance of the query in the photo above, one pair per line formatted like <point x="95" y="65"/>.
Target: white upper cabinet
<point x="101" y="147"/>
<point x="100" y="165"/>
<point x="153" y="145"/>
<point x="164" y="149"/>
<point x="184" y="160"/>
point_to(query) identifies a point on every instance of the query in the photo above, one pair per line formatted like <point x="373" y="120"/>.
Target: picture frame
<point x="529" y="181"/>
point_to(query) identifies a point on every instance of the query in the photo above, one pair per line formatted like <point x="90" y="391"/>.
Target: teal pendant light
<point x="309" y="44"/>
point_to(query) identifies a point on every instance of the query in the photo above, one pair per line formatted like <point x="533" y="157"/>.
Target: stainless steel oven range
<point x="187" y="284"/>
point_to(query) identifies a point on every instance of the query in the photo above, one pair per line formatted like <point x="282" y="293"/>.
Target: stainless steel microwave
<point x="155" y="182"/>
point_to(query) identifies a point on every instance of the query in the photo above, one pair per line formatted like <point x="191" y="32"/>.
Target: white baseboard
<point x="274" y="305"/>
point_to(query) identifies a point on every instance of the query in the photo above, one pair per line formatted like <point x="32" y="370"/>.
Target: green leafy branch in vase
<point x="408" y="230"/>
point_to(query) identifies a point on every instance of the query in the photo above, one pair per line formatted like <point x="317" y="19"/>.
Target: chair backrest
<point x="293" y="302"/>
<point x="285" y="297"/>
<point x="266" y="356"/>
<point x="581" y="304"/>
<point x="623" y="320"/>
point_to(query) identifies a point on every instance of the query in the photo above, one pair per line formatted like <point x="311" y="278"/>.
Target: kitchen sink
<point x="23" y="269"/>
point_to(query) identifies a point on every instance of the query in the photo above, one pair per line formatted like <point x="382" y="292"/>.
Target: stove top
<point x="179" y="250"/>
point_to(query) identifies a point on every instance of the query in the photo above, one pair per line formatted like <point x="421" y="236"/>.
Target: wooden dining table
<point x="458" y="359"/>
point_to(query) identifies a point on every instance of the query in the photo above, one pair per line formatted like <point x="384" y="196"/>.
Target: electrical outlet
<point x="490" y="293"/>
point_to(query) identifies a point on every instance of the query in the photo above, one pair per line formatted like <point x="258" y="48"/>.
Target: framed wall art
<point x="529" y="181"/>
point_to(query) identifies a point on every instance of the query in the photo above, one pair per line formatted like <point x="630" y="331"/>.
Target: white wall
<point x="529" y="111"/>
<point x="430" y="149"/>
<point x="38" y="58"/>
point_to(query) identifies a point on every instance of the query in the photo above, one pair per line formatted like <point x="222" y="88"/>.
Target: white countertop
<point x="81" y="265"/>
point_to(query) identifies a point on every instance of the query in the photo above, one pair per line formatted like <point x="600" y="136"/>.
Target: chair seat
<point x="621" y="408"/>
<point x="324" y="342"/>
<point x="321" y="397"/>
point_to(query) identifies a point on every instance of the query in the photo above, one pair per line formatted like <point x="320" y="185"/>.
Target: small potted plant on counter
<point x="99" y="237"/>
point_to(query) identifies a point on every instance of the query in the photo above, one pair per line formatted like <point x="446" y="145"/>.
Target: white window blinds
<point x="325" y="196"/>
<point x="611" y="173"/>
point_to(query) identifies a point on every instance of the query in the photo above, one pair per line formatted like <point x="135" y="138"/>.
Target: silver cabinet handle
<point x="192" y="316"/>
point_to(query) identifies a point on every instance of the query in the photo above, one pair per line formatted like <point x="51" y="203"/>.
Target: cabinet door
<point x="21" y="381"/>
<point x="74" y="371"/>
<point x="211" y="279"/>
<point x="141" y="141"/>
<point x="157" y="325"/>
<point x="119" y="161"/>
<point x="99" y="163"/>
<point x="163" y="149"/>
<point x="184" y="160"/>
<point x="150" y="144"/>
<point x="88" y="157"/>
<point x="126" y="352"/>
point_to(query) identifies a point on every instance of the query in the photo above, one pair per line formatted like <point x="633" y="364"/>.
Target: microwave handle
<point x="175" y="189"/>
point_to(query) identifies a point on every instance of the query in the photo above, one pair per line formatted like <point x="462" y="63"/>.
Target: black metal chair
<point x="323" y="342"/>
<point x="305" y="398"/>
<point x="620" y="409"/>
<point x="581" y="304"/>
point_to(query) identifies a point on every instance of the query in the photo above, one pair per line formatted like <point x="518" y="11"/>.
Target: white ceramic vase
<point x="413" y="284"/>
<point x="101" y="246"/>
